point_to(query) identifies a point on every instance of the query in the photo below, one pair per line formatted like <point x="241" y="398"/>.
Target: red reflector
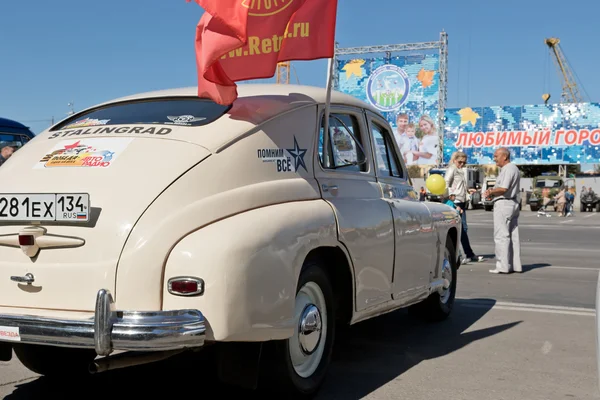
<point x="184" y="286"/>
<point x="26" y="240"/>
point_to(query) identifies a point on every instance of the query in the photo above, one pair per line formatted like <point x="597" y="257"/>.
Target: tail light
<point x="185" y="286"/>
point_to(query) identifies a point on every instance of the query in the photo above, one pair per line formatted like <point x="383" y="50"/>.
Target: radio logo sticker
<point x="90" y="153"/>
<point x="186" y="120"/>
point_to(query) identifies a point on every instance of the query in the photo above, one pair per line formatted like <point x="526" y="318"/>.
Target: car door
<point x="413" y="224"/>
<point x="347" y="182"/>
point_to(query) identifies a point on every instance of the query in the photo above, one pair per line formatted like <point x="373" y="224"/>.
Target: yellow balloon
<point x="436" y="184"/>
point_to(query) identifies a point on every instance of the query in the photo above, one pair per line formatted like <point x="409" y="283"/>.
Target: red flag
<point x="245" y="39"/>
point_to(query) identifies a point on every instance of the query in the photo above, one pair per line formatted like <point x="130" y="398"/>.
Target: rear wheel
<point x="54" y="361"/>
<point x="299" y="364"/>
<point x="438" y="306"/>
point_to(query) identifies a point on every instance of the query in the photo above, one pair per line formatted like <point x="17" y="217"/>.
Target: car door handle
<point x="327" y="188"/>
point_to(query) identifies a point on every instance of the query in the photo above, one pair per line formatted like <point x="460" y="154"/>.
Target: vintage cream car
<point x="162" y="222"/>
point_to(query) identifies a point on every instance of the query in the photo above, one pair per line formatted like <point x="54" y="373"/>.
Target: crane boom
<point x="570" y="90"/>
<point x="283" y="72"/>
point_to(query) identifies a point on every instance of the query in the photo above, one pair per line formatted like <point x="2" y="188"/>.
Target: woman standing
<point x="456" y="181"/>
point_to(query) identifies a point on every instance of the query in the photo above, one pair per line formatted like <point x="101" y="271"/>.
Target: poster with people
<point x="406" y="90"/>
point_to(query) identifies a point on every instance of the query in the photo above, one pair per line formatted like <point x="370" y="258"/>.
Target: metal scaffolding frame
<point x="388" y="49"/>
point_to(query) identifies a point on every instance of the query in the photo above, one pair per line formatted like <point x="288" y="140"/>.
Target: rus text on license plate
<point x="45" y="207"/>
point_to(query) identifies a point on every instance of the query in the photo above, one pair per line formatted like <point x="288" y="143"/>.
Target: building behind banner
<point x="541" y="134"/>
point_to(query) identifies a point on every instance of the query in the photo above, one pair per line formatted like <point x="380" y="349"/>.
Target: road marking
<point x="581" y="268"/>
<point x="541" y="308"/>
<point x="550" y="266"/>
<point x="527" y="226"/>
<point x="589" y="216"/>
<point x="567" y="221"/>
<point x="568" y="250"/>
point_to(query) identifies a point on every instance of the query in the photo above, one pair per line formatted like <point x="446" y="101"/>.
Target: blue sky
<point x="88" y="52"/>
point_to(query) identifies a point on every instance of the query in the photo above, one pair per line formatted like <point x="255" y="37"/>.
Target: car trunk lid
<point x="121" y="175"/>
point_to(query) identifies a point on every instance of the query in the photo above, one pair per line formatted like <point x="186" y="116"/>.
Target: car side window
<point x="387" y="160"/>
<point x="345" y="147"/>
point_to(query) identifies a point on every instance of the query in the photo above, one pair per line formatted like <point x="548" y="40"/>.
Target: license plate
<point x="10" y="333"/>
<point x="71" y="207"/>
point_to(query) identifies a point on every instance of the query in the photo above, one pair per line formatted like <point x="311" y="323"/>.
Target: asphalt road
<point x="520" y="336"/>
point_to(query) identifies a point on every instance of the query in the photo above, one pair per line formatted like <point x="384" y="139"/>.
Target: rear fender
<point x="250" y="264"/>
<point x="447" y="223"/>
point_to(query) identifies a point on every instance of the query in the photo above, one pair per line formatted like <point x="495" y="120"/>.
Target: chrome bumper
<point x="111" y="330"/>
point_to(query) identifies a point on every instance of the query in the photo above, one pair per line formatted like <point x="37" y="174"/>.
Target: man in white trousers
<point x="506" y="214"/>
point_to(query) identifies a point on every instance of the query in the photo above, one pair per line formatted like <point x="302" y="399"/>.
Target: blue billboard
<point x="406" y="90"/>
<point x="535" y="134"/>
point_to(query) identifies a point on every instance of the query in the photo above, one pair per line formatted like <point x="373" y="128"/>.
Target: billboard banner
<point x="535" y="134"/>
<point x="406" y="90"/>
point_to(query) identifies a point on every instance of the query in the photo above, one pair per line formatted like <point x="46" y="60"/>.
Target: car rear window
<point x="179" y="111"/>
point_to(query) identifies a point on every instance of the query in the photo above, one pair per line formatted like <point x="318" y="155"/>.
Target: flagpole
<point x="327" y="108"/>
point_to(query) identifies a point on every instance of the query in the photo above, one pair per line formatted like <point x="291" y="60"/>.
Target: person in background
<point x="429" y="147"/>
<point x="422" y="194"/>
<point x="561" y="201"/>
<point x="401" y="124"/>
<point x="456" y="182"/>
<point x="5" y="153"/>
<point x="452" y="203"/>
<point x="411" y="143"/>
<point x="506" y="214"/>
<point x="570" y="197"/>
<point x="585" y="191"/>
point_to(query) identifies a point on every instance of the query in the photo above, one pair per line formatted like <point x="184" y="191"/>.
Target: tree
<point x="414" y="171"/>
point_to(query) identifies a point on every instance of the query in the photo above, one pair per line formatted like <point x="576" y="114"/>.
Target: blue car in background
<point x="13" y="133"/>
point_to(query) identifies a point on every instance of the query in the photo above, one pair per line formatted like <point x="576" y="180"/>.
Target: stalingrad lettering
<point x="104" y="130"/>
<point x="569" y="137"/>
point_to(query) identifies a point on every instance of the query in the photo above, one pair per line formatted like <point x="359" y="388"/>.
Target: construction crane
<point x="283" y="72"/>
<point x="570" y="90"/>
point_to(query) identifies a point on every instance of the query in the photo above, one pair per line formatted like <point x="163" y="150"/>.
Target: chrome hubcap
<point x="309" y="331"/>
<point x="307" y="344"/>
<point x="447" y="277"/>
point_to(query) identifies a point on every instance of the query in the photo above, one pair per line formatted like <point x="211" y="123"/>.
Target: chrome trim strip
<point x="111" y="330"/>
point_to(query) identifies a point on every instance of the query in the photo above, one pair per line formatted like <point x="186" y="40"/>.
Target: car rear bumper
<point x="109" y="329"/>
